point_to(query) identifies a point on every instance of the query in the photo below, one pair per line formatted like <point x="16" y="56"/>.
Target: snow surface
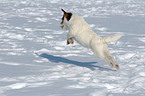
<point x="35" y="60"/>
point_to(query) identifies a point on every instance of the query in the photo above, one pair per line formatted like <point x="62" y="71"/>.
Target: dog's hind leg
<point x="109" y="58"/>
<point x="116" y="65"/>
<point x="108" y="61"/>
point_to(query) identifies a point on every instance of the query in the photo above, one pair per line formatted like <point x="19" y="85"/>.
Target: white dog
<point x="80" y="31"/>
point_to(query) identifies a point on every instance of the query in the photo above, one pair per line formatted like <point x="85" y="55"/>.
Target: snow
<point x="36" y="61"/>
<point x="142" y="73"/>
<point x="17" y="86"/>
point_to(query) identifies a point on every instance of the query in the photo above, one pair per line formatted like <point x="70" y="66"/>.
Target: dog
<point x="80" y="31"/>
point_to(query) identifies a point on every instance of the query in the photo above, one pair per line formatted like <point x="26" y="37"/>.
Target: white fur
<point x="82" y="33"/>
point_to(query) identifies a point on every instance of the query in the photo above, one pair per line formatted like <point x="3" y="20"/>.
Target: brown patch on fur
<point x="64" y="16"/>
<point x="64" y="13"/>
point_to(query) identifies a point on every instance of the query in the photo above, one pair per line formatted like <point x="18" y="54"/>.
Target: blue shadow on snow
<point x="58" y="59"/>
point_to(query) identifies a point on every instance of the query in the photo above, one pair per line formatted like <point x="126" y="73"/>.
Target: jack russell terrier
<point x="80" y="31"/>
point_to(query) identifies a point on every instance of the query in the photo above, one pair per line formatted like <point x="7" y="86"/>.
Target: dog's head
<point x="65" y="19"/>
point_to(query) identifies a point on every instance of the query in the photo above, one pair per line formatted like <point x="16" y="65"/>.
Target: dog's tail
<point x="112" y="38"/>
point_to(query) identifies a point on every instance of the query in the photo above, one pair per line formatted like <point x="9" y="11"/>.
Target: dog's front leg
<point x="69" y="39"/>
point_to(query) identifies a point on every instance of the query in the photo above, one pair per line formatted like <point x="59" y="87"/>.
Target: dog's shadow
<point x="58" y="59"/>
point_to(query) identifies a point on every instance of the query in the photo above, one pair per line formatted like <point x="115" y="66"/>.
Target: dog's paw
<point x="117" y="66"/>
<point x="111" y="65"/>
<point x="70" y="41"/>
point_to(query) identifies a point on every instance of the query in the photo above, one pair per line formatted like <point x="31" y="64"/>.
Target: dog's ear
<point x="63" y="11"/>
<point x="66" y="15"/>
